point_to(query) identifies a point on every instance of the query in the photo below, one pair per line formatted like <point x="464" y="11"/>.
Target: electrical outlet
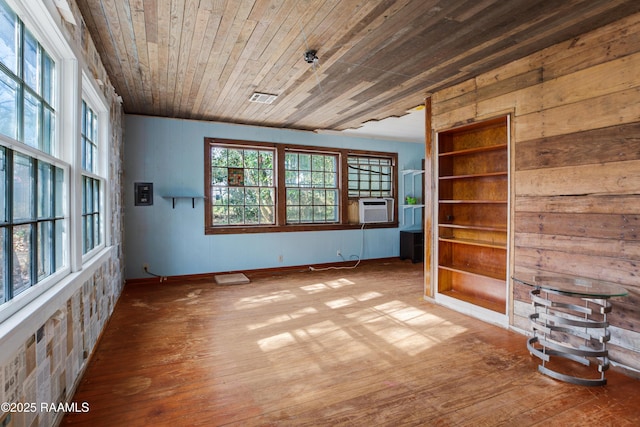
<point x="145" y="266"/>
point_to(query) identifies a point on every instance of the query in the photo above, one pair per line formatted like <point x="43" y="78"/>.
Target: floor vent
<point x="231" y="279"/>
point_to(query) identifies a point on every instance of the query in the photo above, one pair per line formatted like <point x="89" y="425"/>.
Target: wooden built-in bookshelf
<point x="473" y="178"/>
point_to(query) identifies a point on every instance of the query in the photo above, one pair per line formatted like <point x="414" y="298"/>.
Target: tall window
<point x="311" y="181"/>
<point x="91" y="195"/>
<point x="32" y="222"/>
<point x="254" y="187"/>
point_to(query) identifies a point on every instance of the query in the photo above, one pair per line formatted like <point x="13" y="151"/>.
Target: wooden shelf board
<point x="486" y="202"/>
<point x="471" y="272"/>
<point x="474" y="227"/>
<point x="474" y="150"/>
<point x="497" y="306"/>
<point x="474" y="176"/>
<point x="474" y="242"/>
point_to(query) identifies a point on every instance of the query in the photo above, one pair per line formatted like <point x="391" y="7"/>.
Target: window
<point x="242" y="185"/>
<point x="27" y="79"/>
<point x="370" y="176"/>
<point x="311" y="181"/>
<point x="91" y="196"/>
<point x="32" y="222"/>
<point x="255" y="187"/>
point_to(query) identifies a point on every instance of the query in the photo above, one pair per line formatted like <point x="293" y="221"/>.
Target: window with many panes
<point x="32" y="223"/>
<point x="260" y="187"/>
<point x="91" y="196"/>
<point x="370" y="176"/>
<point x="312" y="190"/>
<point x="26" y="85"/>
<point x="242" y="185"/>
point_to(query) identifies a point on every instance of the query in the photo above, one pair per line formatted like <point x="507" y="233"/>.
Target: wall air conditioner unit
<point x="375" y="210"/>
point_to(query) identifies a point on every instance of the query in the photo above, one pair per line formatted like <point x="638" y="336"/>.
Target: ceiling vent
<point x="263" y="98"/>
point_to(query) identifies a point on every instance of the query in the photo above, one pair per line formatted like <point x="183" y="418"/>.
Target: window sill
<point x="241" y="229"/>
<point x="38" y="303"/>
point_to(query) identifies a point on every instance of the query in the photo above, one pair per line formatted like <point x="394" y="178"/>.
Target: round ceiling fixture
<point x="311" y="56"/>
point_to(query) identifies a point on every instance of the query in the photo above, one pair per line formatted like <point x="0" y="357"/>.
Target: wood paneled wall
<point x="575" y="164"/>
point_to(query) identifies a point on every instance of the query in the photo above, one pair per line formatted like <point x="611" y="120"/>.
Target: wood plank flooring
<point x="338" y="347"/>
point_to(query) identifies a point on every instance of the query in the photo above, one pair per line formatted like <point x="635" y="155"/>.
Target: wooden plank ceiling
<point x="203" y="59"/>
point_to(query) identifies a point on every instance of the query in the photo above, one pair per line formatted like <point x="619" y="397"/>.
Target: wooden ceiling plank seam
<point x="139" y="32"/>
<point x="164" y="29"/>
<point x="151" y="34"/>
<point x="224" y="68"/>
<point x="174" y="43"/>
<point x="118" y="29"/>
<point x="214" y="65"/>
<point x="199" y="83"/>
<point x="189" y="23"/>
<point x="234" y="69"/>
<point x="129" y="48"/>
<point x="200" y="43"/>
<point x="151" y="20"/>
<point x="466" y="12"/>
<point x="206" y="5"/>
<point x="104" y="48"/>
<point x="121" y="80"/>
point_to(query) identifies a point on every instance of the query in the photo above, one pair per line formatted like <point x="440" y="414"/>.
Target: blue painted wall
<point x="169" y="153"/>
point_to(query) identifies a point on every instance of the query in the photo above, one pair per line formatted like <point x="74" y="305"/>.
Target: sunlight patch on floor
<point x="315" y="288"/>
<point x="368" y="296"/>
<point x="341" y="302"/>
<point x="276" y="342"/>
<point x="339" y="283"/>
<point x="260" y="300"/>
<point x="283" y="318"/>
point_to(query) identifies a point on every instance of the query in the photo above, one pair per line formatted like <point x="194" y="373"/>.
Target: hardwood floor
<point x="337" y="347"/>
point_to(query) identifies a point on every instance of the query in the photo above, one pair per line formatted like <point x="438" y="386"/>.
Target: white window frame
<point x="96" y="101"/>
<point x="37" y="18"/>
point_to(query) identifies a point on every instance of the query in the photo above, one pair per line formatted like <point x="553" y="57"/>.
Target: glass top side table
<point x="570" y="321"/>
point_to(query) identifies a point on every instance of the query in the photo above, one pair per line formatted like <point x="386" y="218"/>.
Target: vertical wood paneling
<point x="429" y="198"/>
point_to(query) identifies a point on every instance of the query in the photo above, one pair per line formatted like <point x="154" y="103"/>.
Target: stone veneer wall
<point x="43" y="357"/>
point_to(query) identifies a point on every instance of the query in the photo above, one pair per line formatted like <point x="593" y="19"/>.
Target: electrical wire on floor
<point x="346" y="267"/>
<point x="162" y="278"/>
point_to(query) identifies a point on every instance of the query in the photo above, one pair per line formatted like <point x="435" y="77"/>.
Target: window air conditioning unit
<point x="375" y="210"/>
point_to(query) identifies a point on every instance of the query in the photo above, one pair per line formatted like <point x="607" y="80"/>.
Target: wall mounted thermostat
<point x="143" y="193"/>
